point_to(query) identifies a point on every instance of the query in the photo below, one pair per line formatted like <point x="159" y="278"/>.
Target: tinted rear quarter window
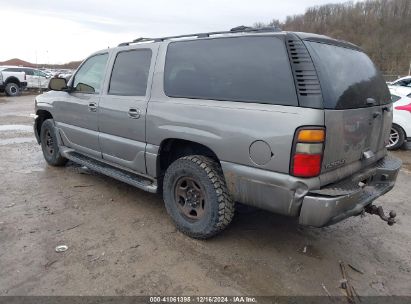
<point x="130" y="73"/>
<point x="243" y="69"/>
<point x="348" y="77"/>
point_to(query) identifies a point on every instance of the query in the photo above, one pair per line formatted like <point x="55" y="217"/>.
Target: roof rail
<point x="238" y="29"/>
<point x="141" y="39"/>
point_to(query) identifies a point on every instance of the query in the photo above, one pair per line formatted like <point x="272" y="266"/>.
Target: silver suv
<point x="293" y="123"/>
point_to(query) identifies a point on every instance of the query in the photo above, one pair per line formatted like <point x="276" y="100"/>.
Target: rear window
<point x="243" y="69"/>
<point x="348" y="77"/>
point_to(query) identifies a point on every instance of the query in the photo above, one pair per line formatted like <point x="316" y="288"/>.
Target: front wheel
<point x="49" y="144"/>
<point x="397" y="137"/>
<point x="196" y="196"/>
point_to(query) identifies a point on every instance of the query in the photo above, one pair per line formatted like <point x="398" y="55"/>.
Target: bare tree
<point x="381" y="27"/>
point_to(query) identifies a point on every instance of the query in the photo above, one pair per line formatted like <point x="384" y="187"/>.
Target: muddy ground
<point x="121" y="241"/>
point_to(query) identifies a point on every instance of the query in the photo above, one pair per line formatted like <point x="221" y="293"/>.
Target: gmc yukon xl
<point x="293" y="123"/>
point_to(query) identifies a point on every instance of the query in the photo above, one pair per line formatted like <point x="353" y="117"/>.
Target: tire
<point x="208" y="208"/>
<point x="397" y="137"/>
<point x="49" y="144"/>
<point x="12" y="89"/>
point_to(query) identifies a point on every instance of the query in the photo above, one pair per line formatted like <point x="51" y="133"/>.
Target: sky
<point x="49" y="31"/>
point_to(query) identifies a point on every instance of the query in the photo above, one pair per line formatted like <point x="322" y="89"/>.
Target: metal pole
<point x="38" y="76"/>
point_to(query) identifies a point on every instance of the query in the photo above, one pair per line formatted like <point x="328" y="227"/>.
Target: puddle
<point x="24" y="128"/>
<point x="17" y="114"/>
<point x="28" y="171"/>
<point x="18" y="140"/>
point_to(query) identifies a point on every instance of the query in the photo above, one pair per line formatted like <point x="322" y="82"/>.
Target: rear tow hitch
<point x="372" y="209"/>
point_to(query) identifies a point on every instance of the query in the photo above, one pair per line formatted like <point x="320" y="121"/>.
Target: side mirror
<point x="58" y="84"/>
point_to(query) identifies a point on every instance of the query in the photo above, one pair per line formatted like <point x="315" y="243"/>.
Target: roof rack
<point x="238" y="29"/>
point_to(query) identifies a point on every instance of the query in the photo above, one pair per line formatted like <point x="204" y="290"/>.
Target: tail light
<point x="404" y="108"/>
<point x="307" y="152"/>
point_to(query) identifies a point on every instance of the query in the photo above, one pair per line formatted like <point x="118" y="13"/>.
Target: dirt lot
<point x="121" y="241"/>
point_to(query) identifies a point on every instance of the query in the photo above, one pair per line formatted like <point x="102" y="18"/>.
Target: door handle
<point x="134" y="113"/>
<point x="92" y="106"/>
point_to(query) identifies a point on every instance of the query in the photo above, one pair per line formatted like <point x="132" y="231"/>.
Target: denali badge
<point x="335" y="163"/>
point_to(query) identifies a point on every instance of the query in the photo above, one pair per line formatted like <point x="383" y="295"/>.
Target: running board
<point x="116" y="173"/>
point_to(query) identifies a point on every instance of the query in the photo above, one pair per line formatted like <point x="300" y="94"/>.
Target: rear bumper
<point x="346" y="198"/>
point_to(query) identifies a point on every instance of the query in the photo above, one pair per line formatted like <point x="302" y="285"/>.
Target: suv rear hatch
<point x="357" y="108"/>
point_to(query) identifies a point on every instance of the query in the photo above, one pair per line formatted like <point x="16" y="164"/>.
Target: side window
<point x="29" y="72"/>
<point x="13" y="70"/>
<point x="130" y="73"/>
<point x="89" y="77"/>
<point x="39" y="73"/>
<point x="243" y="69"/>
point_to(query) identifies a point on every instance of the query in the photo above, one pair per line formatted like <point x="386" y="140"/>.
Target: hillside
<point x="18" y="62"/>
<point x="15" y="61"/>
<point x="381" y="27"/>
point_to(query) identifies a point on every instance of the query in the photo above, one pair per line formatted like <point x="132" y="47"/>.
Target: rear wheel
<point x="12" y="89"/>
<point x="397" y="137"/>
<point x="196" y="196"/>
<point x="49" y="144"/>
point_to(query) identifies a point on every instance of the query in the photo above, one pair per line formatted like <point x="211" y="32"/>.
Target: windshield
<point x="348" y="77"/>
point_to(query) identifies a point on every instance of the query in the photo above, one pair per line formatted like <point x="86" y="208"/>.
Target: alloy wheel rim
<point x="190" y="198"/>
<point x="394" y="137"/>
<point x="49" y="143"/>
